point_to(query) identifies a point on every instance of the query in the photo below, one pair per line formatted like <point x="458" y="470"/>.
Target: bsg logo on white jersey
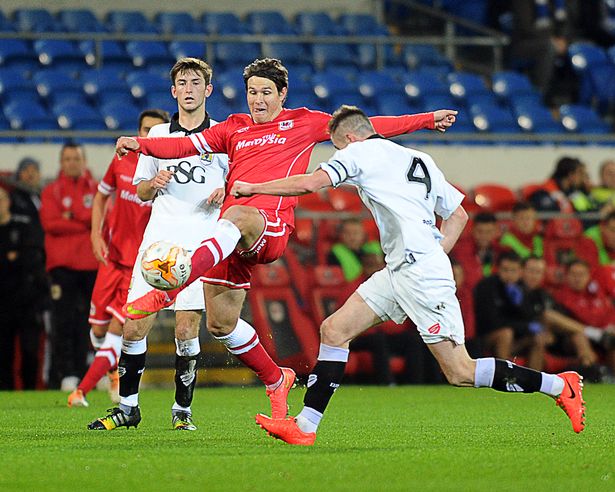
<point x="184" y="173"/>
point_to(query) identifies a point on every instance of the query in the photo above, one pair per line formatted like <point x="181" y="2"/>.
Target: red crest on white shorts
<point x="433" y="329"/>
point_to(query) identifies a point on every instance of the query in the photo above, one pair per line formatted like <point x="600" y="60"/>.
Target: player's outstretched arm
<point x="391" y="126"/>
<point x="452" y="228"/>
<point x="160" y="147"/>
<point x="300" y="184"/>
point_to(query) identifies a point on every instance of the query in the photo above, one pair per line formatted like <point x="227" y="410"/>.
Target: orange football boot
<point x="286" y="430"/>
<point x="278" y="396"/>
<point x="148" y="304"/>
<point x="571" y="399"/>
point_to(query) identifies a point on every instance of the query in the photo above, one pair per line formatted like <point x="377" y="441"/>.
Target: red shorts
<point x="109" y="294"/>
<point x="235" y="271"/>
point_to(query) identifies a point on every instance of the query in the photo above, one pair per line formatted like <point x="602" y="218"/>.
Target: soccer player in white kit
<point x="187" y="196"/>
<point x="404" y="189"/>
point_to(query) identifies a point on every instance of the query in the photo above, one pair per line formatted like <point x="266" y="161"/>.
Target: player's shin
<point x="503" y="375"/>
<point x="186" y="360"/>
<point x="324" y="380"/>
<point x="130" y="368"/>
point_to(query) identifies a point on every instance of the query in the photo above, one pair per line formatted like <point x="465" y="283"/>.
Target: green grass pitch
<point x="372" y="438"/>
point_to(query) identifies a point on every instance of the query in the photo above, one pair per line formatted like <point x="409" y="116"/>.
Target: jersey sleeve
<point x="319" y="122"/>
<point x="340" y="168"/>
<point x="108" y="183"/>
<point x="391" y="126"/>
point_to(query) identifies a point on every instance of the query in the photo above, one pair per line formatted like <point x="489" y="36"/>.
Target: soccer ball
<point x="165" y="265"/>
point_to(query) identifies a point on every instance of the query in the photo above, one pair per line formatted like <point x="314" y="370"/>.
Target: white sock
<point x="128" y="402"/>
<point x="134" y="347"/>
<point x="226" y="235"/>
<point x="551" y="384"/>
<point x="593" y="333"/>
<point x="96" y="341"/>
<point x="241" y="339"/>
<point x="178" y="408"/>
<point x="308" y="419"/>
<point x="484" y="372"/>
<point x="111" y="348"/>
<point x="187" y="348"/>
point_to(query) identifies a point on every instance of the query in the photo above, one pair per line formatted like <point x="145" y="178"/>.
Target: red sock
<point x="259" y="361"/>
<point x="205" y="256"/>
<point x="97" y="370"/>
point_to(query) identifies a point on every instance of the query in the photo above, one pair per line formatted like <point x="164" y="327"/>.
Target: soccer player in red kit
<point x="271" y="142"/>
<point x="116" y="237"/>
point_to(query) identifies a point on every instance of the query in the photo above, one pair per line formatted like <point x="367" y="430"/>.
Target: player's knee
<point x="218" y="328"/>
<point x="330" y="334"/>
<point x="134" y="331"/>
<point x="245" y="218"/>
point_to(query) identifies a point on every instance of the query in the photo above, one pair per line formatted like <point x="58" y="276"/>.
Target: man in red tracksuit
<point x="66" y="214"/>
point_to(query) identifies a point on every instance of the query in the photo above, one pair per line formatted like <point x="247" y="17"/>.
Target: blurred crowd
<point x="531" y="288"/>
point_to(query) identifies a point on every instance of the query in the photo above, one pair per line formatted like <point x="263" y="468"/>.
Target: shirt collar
<point x="176" y="127"/>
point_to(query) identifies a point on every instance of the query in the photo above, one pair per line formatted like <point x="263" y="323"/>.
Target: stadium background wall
<point x="463" y="165"/>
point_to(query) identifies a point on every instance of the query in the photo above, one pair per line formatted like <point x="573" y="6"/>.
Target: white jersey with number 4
<point x="403" y="188"/>
<point x="180" y="213"/>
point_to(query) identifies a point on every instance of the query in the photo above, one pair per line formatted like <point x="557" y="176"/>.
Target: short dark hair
<point x="485" y="218"/>
<point x="71" y="144"/>
<point x="532" y="258"/>
<point x="577" y="261"/>
<point x="522" y="206"/>
<point x="565" y="167"/>
<point x="509" y="256"/>
<point x="267" y="68"/>
<point x="161" y="114"/>
<point x="352" y="114"/>
<point x="187" y="64"/>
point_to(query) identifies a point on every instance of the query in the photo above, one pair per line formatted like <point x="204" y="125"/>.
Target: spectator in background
<point x="566" y="191"/>
<point x="22" y="285"/>
<point x="26" y="194"/>
<point x="466" y="301"/>
<point x="351" y="246"/>
<point x="603" y="242"/>
<point x="604" y="194"/>
<point x="501" y="318"/>
<point x="523" y="237"/>
<point x="571" y="336"/>
<point x="66" y="214"/>
<point x="478" y="252"/>
<point x="585" y="301"/>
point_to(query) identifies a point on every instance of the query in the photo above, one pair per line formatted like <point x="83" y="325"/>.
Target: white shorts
<point x="186" y="233"/>
<point x="424" y="291"/>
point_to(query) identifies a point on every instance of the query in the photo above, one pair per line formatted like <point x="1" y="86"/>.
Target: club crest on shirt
<point x="285" y="125"/>
<point x="88" y="200"/>
<point x="206" y="157"/>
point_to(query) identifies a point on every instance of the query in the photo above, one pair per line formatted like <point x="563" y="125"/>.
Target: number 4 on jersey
<point x="422" y="176"/>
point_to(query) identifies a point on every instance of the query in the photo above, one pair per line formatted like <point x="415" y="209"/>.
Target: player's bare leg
<point x="130" y="367"/>
<point x="105" y="361"/>
<point x="502" y="375"/>
<point x="223" y="322"/>
<point x="240" y="225"/>
<point x="187" y="352"/>
<point x="336" y="332"/>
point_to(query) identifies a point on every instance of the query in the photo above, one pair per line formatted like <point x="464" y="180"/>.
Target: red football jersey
<point x="266" y="151"/>
<point x="125" y="223"/>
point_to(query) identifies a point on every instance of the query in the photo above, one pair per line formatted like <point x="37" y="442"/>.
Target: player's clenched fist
<point x="241" y="188"/>
<point x="125" y="145"/>
<point x="444" y="118"/>
<point x="161" y="179"/>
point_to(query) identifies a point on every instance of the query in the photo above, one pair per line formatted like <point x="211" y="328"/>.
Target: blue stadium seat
<point x="78" y="117"/>
<point x="353" y="98"/>
<point x="493" y="119"/>
<point x="289" y="53"/>
<point x="223" y="23"/>
<point x="53" y="85"/>
<point x="113" y="54"/>
<point x="149" y="53"/>
<point x="5" y="26"/>
<point x="510" y="84"/>
<point x="118" y="98"/>
<point x="419" y="55"/>
<point x="395" y="105"/>
<point x="536" y="119"/>
<point x="231" y="86"/>
<point x="602" y="79"/>
<point x="161" y="100"/>
<point x="442" y="101"/>
<point x="119" y="116"/>
<point x="584" y="58"/>
<point x="611" y="54"/>
<point x="302" y="71"/>
<point x="141" y="83"/>
<point x="269" y="22"/>
<point x="318" y="24"/>
<point x="367" y="55"/>
<point x="58" y="53"/>
<point x="482" y="99"/>
<point x="130" y="22"/>
<point x="181" y="49"/>
<point x="462" y="84"/>
<point x="298" y="81"/>
<point x="220" y="110"/>
<point x="228" y="54"/>
<point x="374" y="83"/>
<point x="80" y="20"/>
<point x="362" y="25"/>
<point x="177" y="23"/>
<point x="418" y="84"/>
<point x="327" y="84"/>
<point x="105" y="85"/>
<point x="35" y="20"/>
<point x="14" y="85"/>
<point x="582" y="119"/>
<point x="27" y="115"/>
<point x="14" y="52"/>
<point x="327" y="55"/>
<point x="300" y="99"/>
